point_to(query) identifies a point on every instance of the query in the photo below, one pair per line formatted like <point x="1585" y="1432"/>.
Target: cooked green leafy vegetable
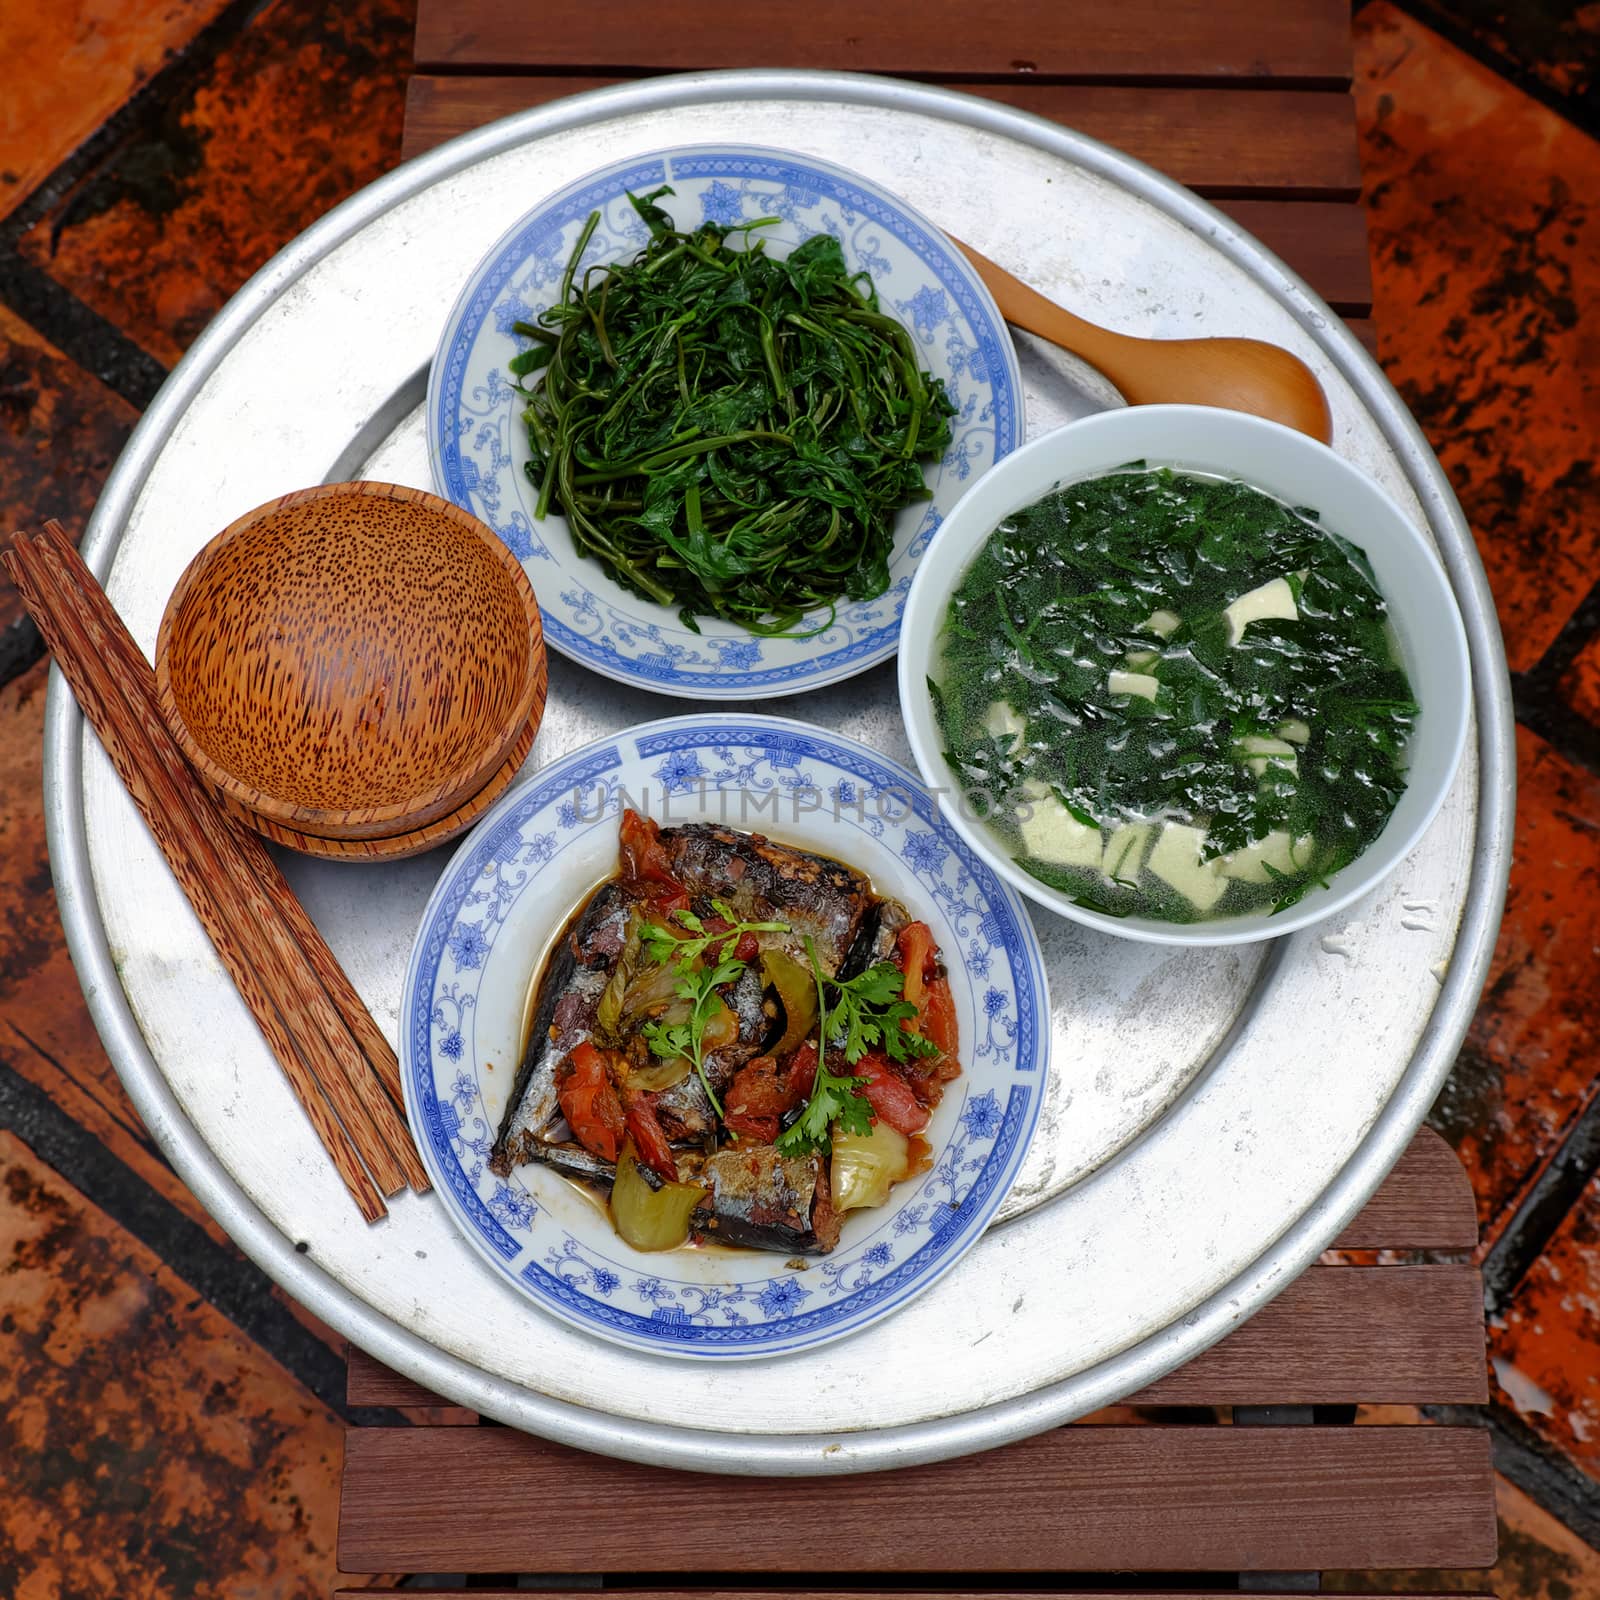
<point x="727" y="432"/>
<point x="1174" y="696"/>
<point x="671" y="1040"/>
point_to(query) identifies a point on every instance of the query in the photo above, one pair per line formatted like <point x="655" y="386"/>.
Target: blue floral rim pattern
<point x="475" y="457"/>
<point x="764" y="1308"/>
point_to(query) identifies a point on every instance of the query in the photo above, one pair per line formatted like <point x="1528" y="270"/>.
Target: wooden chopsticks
<point x="337" y="1061"/>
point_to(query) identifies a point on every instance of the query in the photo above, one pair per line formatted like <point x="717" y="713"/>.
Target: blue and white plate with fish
<point x="478" y="444"/>
<point x="479" y="961"/>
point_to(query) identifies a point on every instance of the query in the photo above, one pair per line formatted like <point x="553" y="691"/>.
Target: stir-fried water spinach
<point x="1175" y="696"/>
<point x="724" y="431"/>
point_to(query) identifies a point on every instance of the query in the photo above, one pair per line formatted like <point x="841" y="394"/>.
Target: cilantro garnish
<point x="665" y="944"/>
<point x="867" y="1010"/>
<point x="669" y="1040"/>
<point x="833" y="1100"/>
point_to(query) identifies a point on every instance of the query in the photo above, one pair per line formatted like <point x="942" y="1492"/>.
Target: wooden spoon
<point x="1236" y="374"/>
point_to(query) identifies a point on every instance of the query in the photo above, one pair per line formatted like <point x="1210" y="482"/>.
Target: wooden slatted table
<point x="1133" y="1489"/>
<point x="1248" y="103"/>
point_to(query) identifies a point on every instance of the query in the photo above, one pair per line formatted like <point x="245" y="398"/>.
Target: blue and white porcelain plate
<point x="510" y="890"/>
<point x="478" y="445"/>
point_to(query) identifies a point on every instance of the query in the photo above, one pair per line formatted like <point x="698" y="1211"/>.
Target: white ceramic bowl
<point x="1286" y="464"/>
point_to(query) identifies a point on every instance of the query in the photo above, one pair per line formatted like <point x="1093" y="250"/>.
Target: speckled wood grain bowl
<point x="353" y="665"/>
<point x="478" y="446"/>
<point x="1294" y="469"/>
<point x="511" y="888"/>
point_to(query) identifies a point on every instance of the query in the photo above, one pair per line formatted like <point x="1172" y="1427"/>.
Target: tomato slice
<point x="644" y="858"/>
<point x="802" y="1072"/>
<point x="918" y="961"/>
<point x="890" y="1095"/>
<point x="745" y="948"/>
<point x="758" y="1130"/>
<point x="938" y="1019"/>
<point x="928" y="989"/>
<point x="589" y="1102"/>
<point x="758" y="1097"/>
<point x="648" y="1139"/>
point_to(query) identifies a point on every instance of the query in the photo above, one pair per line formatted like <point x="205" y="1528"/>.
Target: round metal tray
<point x="1214" y="1117"/>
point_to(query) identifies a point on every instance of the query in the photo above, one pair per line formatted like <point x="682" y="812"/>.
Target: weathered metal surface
<point x="1214" y="1117"/>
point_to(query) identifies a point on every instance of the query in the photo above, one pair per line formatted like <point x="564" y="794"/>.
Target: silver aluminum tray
<point x="1214" y="1117"/>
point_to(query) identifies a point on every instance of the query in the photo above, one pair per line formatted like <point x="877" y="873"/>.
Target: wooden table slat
<point x="1324" y="241"/>
<point x="1076" y="1499"/>
<point x="1143" y="41"/>
<point x="369" y="1383"/>
<point x="1337" y="1334"/>
<point x="1340" y="1334"/>
<point x="368" y="1592"/>
<point x="1267" y="143"/>
<point x="1426" y="1202"/>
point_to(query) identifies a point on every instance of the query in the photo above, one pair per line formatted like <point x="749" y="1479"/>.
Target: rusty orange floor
<point x="170" y="1422"/>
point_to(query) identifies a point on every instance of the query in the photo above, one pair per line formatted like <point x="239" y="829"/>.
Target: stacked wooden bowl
<point x="357" y="670"/>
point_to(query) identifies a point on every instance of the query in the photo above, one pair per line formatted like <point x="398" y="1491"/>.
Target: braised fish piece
<point x="875" y="938"/>
<point x="770" y="1201"/>
<point x="763" y="881"/>
<point x="571" y="1160"/>
<point x="754" y="1196"/>
<point x="569" y="993"/>
<point x="672" y="1063"/>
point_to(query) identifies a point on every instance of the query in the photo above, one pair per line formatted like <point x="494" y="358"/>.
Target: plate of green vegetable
<point x="719" y="400"/>
<point x="1185" y="675"/>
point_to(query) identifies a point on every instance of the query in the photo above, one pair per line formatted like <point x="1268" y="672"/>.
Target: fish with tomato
<point x="733" y="1040"/>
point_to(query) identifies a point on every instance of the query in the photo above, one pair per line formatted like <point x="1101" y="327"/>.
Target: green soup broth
<point x="1174" y="696"/>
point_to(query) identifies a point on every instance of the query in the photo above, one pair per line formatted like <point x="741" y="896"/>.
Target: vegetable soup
<point x="1174" y="696"/>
